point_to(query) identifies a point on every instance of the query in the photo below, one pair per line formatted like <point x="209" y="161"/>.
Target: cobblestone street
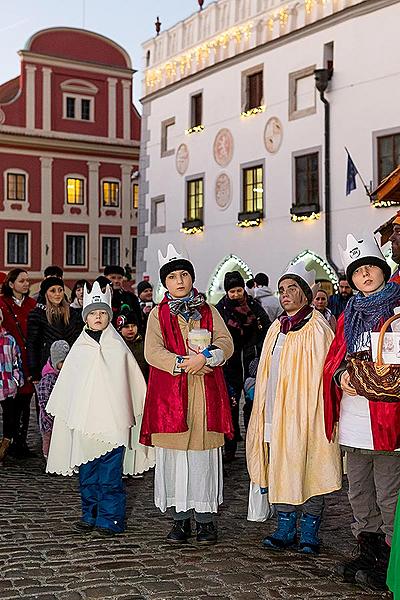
<point x="42" y="557"/>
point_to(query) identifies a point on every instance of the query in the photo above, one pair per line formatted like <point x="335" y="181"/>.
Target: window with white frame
<point x="17" y="251"/>
<point x="78" y="107"/>
<point x="302" y="98"/>
<point x="110" y="193"/>
<point x="253" y="88"/>
<point x="157" y="215"/>
<point x="134" y="251"/>
<point x="16" y="186"/>
<point x="74" y="190"/>
<point x="166" y="127"/>
<point x="75" y="250"/>
<point x="135" y="196"/>
<point x="110" y="250"/>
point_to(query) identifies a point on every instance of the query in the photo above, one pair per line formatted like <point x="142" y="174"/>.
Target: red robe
<point x="385" y="416"/>
<point x="166" y="404"/>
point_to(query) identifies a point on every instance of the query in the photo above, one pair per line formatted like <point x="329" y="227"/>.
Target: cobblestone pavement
<point x="42" y="557"/>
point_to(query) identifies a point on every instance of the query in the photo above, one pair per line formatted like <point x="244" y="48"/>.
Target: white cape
<point x="97" y="403"/>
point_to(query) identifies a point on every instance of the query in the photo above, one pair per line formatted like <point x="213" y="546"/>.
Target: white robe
<point x="97" y="403"/>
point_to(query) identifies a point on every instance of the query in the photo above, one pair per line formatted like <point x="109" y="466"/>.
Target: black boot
<point x="366" y="558"/>
<point x="180" y="532"/>
<point x="375" y="578"/>
<point x="206" y="533"/>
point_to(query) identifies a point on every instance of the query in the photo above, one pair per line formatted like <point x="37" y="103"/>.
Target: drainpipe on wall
<point x="322" y="78"/>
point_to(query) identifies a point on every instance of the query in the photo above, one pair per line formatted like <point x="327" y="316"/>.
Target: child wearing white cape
<point x="97" y="404"/>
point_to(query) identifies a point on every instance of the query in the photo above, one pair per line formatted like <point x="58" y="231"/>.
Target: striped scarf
<point x="187" y="307"/>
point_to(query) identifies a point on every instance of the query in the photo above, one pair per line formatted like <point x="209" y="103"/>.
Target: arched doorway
<point x="325" y="274"/>
<point x="215" y="288"/>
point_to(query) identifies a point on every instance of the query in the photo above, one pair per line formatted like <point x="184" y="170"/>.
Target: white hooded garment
<point x="97" y="403"/>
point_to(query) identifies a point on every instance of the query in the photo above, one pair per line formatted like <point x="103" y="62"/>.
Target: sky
<point x="127" y="22"/>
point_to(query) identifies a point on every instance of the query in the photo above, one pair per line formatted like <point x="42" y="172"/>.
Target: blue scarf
<point x="187" y="307"/>
<point x="364" y="313"/>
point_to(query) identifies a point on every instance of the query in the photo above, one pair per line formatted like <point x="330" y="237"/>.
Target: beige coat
<point x="197" y="437"/>
<point x="299" y="462"/>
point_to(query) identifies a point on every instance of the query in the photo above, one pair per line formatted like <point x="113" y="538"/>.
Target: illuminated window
<point x="253" y="189"/>
<point x="16" y="186"/>
<point x="74" y="190"/>
<point x="135" y="195"/>
<point x="194" y="200"/>
<point x="111" y="193"/>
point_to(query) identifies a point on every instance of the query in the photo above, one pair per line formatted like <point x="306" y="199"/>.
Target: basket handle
<point x="379" y="359"/>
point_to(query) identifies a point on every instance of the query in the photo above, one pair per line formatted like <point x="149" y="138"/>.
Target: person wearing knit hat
<point x="187" y="409"/>
<point x="248" y="323"/>
<point x="127" y="326"/>
<point x="145" y="294"/>
<point x="97" y="404"/>
<point x="115" y="275"/>
<point x="288" y="454"/>
<point x="369" y="431"/>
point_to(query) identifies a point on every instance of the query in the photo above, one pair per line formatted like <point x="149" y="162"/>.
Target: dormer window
<point x="78" y="99"/>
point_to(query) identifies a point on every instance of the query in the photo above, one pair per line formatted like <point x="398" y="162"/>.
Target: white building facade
<point x="232" y="167"/>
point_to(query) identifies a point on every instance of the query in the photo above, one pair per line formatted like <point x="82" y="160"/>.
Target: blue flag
<point x="351" y="183"/>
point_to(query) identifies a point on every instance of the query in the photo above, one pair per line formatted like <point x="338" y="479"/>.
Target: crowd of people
<point x="123" y="385"/>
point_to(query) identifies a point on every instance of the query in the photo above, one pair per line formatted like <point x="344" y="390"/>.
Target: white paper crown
<point x="299" y="269"/>
<point x="171" y="255"/>
<point x="356" y="249"/>
<point x="96" y="295"/>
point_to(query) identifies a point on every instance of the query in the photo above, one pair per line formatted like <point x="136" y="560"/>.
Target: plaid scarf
<point x="187" y="307"/>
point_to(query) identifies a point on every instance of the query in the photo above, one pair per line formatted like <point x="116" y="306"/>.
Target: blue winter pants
<point x="102" y="491"/>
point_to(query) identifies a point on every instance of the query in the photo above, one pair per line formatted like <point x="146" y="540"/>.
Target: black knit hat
<point x="233" y="279"/>
<point x="302" y="284"/>
<point x="114" y="270"/>
<point x="179" y="264"/>
<point x="48" y="283"/>
<point x="126" y="318"/>
<point x="368" y="260"/>
<point x="142" y="286"/>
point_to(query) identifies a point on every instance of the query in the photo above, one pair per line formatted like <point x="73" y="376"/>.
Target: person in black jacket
<point x="121" y="299"/>
<point x="248" y="324"/>
<point x="53" y="320"/>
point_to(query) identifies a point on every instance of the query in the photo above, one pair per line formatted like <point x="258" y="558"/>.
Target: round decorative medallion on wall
<point x="223" y="147"/>
<point x="273" y="134"/>
<point x="2" y="117"/>
<point x="223" y="191"/>
<point x="182" y="159"/>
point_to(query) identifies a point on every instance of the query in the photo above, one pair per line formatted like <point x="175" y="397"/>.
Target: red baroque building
<point x="69" y="155"/>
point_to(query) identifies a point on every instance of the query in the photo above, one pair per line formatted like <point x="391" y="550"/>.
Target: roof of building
<point x="9" y="90"/>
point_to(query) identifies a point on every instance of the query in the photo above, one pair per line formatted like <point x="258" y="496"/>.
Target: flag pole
<point x="367" y="190"/>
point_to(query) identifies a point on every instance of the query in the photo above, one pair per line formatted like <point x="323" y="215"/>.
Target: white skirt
<point x="191" y="479"/>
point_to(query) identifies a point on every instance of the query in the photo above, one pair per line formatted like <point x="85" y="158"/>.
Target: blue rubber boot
<point x="309" y="541"/>
<point x="285" y="534"/>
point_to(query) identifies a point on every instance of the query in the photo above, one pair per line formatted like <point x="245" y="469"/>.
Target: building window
<point x="16" y="186"/>
<point x="134" y="251"/>
<point x="17" y="248"/>
<point x="166" y="127"/>
<point x="388" y="154"/>
<point x="194" y="200"/>
<point x="306" y="185"/>
<point x="111" y="194"/>
<point x="254" y="90"/>
<point x="110" y="251"/>
<point x="302" y="93"/>
<point x="196" y="110"/>
<point x="75" y="250"/>
<point x="135" y="196"/>
<point x="74" y="190"/>
<point x="253" y="189"/>
<point x="157" y="215"/>
<point x="78" y="107"/>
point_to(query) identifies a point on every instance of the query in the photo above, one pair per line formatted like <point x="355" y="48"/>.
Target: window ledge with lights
<point x="194" y="129"/>
<point x="305" y="212"/>
<point x="253" y="111"/>
<point x="193" y="226"/>
<point x="250" y="219"/>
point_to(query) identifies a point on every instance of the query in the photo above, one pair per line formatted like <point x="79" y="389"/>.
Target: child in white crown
<point x="96" y="402"/>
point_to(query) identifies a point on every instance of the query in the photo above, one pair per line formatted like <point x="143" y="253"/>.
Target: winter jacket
<point x="121" y="297"/>
<point x="11" y="375"/>
<point x="136" y="346"/>
<point x="43" y="390"/>
<point x="16" y="324"/>
<point x="268" y="301"/>
<point x="41" y="335"/>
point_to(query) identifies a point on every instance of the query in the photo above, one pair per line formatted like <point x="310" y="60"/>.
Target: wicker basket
<point x="375" y="380"/>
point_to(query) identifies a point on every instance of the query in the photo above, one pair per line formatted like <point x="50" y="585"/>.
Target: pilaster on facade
<point x="126" y="200"/>
<point x="30" y="96"/>
<point x="93" y="207"/>
<point x="46" y="165"/>
<point x="126" y="102"/>
<point x="46" y="99"/>
<point x="112" y="107"/>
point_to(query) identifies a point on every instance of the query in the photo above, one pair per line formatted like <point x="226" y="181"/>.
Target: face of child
<point x="179" y="284"/>
<point x="146" y="295"/>
<point x="320" y="301"/>
<point x="368" y="279"/>
<point x="129" y="332"/>
<point x="59" y="365"/>
<point x="291" y="296"/>
<point x="55" y="294"/>
<point x="79" y="293"/>
<point x="97" y="320"/>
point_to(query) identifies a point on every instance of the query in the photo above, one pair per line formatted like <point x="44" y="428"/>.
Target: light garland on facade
<point x="195" y="129"/>
<point x="253" y="111"/>
<point x="213" y="286"/>
<point x="385" y="203"/>
<point x="322" y="263"/>
<point x="313" y="217"/>
<point x="192" y="230"/>
<point x="249" y="223"/>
